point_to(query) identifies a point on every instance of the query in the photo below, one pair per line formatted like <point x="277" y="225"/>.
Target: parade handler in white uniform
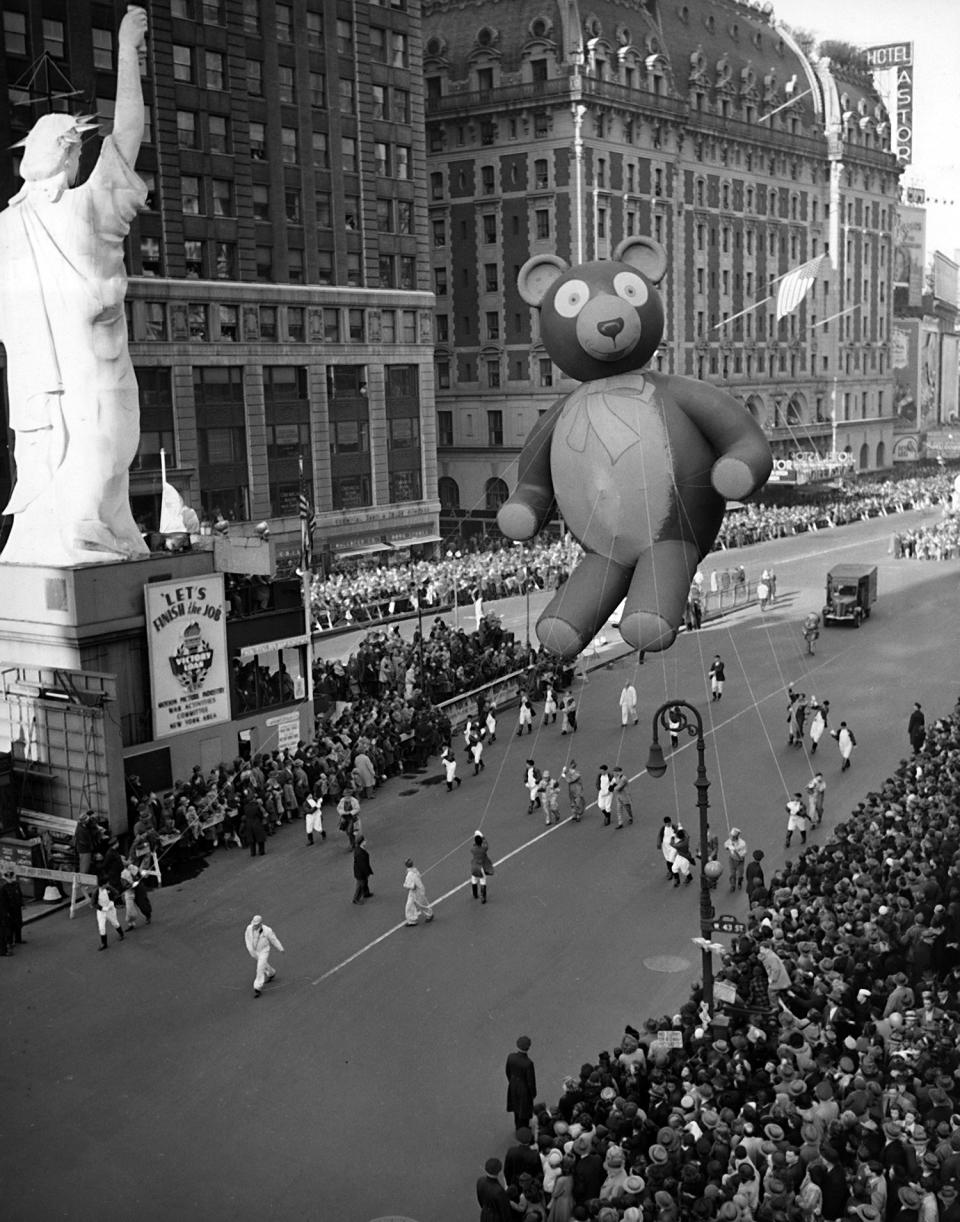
<point x="260" y="939"/>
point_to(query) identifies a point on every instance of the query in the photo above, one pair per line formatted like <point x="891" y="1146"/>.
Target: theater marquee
<point x="187" y="640"/>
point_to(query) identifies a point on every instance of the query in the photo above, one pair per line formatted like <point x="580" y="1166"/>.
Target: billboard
<point x="892" y="67"/>
<point x="945" y="278"/>
<point x="187" y="639"/>
<point x="909" y="246"/>
<point x="949" y="378"/>
<point x="916" y="374"/>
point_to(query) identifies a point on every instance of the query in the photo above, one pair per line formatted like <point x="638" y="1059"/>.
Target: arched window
<point x="864" y="456"/>
<point x="449" y="492"/>
<point x="881" y="455"/>
<point x="495" y="492"/>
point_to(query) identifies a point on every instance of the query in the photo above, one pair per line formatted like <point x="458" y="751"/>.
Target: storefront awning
<point x="367" y="550"/>
<point x="417" y="541"/>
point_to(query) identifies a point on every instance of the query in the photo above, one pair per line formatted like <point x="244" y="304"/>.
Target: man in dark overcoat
<point x="521" y="1083"/>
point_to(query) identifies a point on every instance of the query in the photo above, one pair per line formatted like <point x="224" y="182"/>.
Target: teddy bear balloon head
<point x="601" y="318"/>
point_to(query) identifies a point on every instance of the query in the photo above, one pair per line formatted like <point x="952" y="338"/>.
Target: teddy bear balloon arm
<point x="529" y="506"/>
<point x="744" y="461"/>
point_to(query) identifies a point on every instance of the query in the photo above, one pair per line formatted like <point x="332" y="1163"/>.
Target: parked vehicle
<point x="851" y="592"/>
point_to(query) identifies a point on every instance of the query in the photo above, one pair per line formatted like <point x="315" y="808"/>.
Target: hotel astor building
<point x="564" y="126"/>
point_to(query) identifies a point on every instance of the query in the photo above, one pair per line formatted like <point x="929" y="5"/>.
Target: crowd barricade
<point x="499" y="692"/>
<point x="730" y="595"/>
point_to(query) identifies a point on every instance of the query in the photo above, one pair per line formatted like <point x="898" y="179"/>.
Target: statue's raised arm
<point x="74" y="403"/>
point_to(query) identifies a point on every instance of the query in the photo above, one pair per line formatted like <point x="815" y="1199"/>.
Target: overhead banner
<point x="187" y="640"/>
<point x="892" y="67"/>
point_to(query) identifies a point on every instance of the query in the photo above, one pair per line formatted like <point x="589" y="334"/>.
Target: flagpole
<point x="163" y="466"/>
<point x="306" y="578"/>
<point x="748" y="310"/>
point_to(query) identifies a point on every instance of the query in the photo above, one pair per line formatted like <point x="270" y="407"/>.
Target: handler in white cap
<point x="259" y="939"/>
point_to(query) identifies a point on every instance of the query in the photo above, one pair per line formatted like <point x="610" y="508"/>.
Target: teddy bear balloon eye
<point x="571" y="298"/>
<point x="630" y="287"/>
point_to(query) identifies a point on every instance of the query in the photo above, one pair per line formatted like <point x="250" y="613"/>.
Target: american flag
<point x="308" y="521"/>
<point x="796" y="284"/>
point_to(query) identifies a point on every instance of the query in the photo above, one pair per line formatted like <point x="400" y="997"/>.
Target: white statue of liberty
<point x="74" y="403"/>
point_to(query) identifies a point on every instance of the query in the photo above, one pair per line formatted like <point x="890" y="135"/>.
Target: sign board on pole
<point x="724" y="991"/>
<point x="728" y="924"/>
<point x="187" y="638"/>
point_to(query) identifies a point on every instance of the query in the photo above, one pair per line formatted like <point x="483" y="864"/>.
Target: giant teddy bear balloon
<point x="639" y="463"/>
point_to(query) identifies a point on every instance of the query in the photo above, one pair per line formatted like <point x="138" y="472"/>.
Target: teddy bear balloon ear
<point x="537" y="275"/>
<point x="645" y="255"/>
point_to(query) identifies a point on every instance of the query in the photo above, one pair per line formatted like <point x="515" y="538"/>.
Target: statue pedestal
<point x="74" y="677"/>
<point x="86" y="617"/>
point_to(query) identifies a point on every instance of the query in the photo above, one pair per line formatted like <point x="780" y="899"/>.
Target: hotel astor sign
<point x="893" y="63"/>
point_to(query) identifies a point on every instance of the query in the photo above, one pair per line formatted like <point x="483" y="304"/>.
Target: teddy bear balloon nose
<point x="610" y="327"/>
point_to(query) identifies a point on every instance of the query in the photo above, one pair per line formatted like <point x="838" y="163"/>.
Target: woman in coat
<point x="480" y="866"/>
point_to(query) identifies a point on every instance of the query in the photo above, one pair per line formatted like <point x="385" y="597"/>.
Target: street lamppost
<point x="416" y="592"/>
<point x="687" y="718"/>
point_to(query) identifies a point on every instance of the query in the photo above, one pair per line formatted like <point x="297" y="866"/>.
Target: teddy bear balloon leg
<point x="582" y="605"/>
<point x="658" y="594"/>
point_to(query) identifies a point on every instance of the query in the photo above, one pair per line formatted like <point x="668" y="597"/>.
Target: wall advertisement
<point x="187" y="638"/>
<point x="915" y="365"/>
<point x="909" y="245"/>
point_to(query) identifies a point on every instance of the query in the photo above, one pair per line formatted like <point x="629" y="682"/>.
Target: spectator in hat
<point x="588" y="1173"/>
<point x="491" y="1194"/>
<point x="362" y="871"/>
<point x="522" y="1157"/>
<point x="736" y="848"/>
<point x="949" y="1203"/>
<point x="521" y="1083"/>
<point x="11" y="910"/>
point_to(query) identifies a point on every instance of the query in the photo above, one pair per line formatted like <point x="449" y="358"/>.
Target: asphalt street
<point x="367" y="1082"/>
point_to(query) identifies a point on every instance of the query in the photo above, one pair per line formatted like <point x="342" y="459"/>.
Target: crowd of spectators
<point x="503" y="569"/>
<point x="500" y="570"/>
<point x="830" y="1087"/>
<point x="936" y="541"/>
<point x="758" y="521"/>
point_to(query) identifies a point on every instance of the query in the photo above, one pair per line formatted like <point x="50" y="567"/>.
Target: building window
<point x="493" y="380"/>
<point x="399" y="57"/>
<point x="102" y="49"/>
<point x="255" y="78"/>
<point x="331" y="325"/>
<point x="14" y="33"/>
<point x="487" y="180"/>
<point x="251" y="16"/>
<point x="388" y="274"/>
<point x="268" y="323"/>
<point x="261" y="201"/>
<point x="321" y="151"/>
<point x="229" y="323"/>
<point x="545" y="366"/>
<point x="318" y="90"/>
<point x="187" y="129"/>
<point x="226" y="260"/>
<point x="258" y="142"/>
<point x="356" y="328"/>
<point x="348" y="154"/>
<point x="351" y="213"/>
<point x="541" y="177"/>
<point x="378" y="45"/>
<point x="264" y="262"/>
<point x="291" y="206"/>
<point x="323" y="210"/>
<point x="346" y="93"/>
<point x="296" y="324"/>
<point x="198" y="321"/>
<point x="381" y="157"/>
<point x="150" y="260"/>
<point x="288" y="145"/>
<point x="436" y="185"/>
<point x="154" y="320"/>
<point x="444" y="428"/>
<point x="439" y="232"/>
<point x="408" y="272"/>
<point x="213" y="70"/>
<point x="284" y="23"/>
<point x="295" y="271"/>
<point x="441" y="371"/>
<point x="182" y="63"/>
<point x="493" y="324"/>
<point x="404" y="433"/>
<point x="542" y="223"/>
<point x="403" y="162"/>
<point x="489" y="228"/>
<point x="222" y="194"/>
<point x="219" y="139"/>
<point x="190" y="202"/>
<point x="495" y="493"/>
<point x="324" y="267"/>
<point x="315" y="30"/>
<point x="344" y="37"/>
<point x="286" y="89"/>
<point x="193" y="259"/>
